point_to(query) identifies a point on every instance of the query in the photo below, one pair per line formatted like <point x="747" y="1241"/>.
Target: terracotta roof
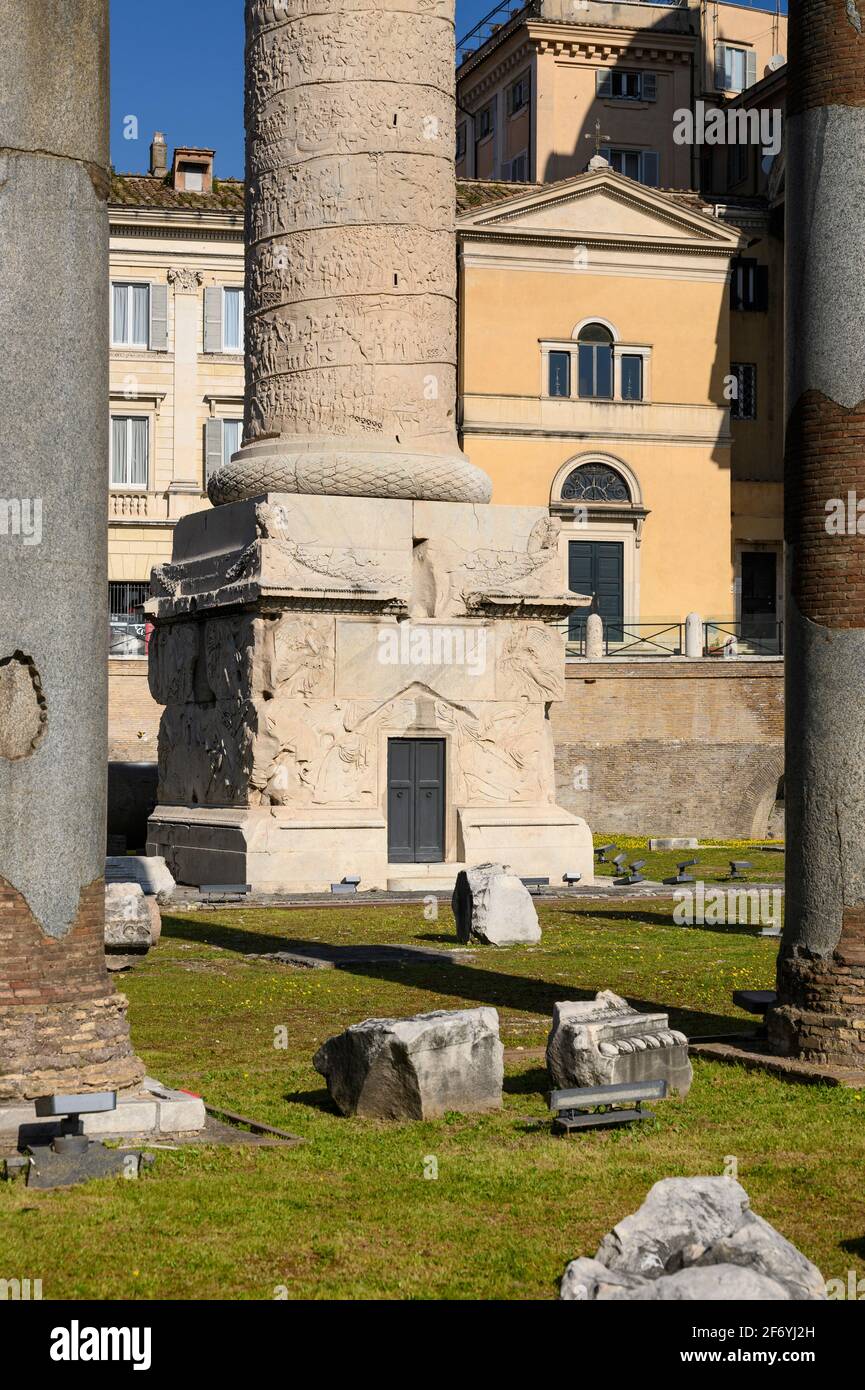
<point x="143" y="190"/>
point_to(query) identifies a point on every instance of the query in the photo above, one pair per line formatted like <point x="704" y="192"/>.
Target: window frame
<point x="234" y="289"/>
<point x="620" y="350"/>
<point x="130" y="285"/>
<point x="524" y="80"/>
<point x="610" y="151"/>
<point x="128" y="416"/>
<point x="736" y="412"/>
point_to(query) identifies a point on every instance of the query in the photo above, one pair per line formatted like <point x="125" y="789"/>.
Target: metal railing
<point x="729" y="640"/>
<point x="628" y="639"/>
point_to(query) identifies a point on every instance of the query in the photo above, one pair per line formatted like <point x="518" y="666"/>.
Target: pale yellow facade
<point x="172" y="252"/>
<point x="556" y="57"/>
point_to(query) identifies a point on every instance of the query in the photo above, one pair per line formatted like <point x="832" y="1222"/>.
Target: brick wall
<point x="133" y="714"/>
<point x="671" y="747"/>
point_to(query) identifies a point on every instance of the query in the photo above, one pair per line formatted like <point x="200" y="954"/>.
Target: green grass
<point x="349" y="1214"/>
<point x="767" y="866"/>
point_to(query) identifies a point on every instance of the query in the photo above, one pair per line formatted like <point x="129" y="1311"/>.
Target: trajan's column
<point x="821" y="969"/>
<point x="351" y="268"/>
<point x="62" y="1026"/>
<point x="357" y="654"/>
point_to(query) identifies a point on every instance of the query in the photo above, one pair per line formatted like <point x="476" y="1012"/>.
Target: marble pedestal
<point x="297" y="635"/>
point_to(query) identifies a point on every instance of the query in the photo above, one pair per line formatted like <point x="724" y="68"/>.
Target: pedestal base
<point x="820" y="1016"/>
<point x="48" y="1049"/>
<point x="280" y="852"/>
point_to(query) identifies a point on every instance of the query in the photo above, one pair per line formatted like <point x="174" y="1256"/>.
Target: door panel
<point x="416" y="800"/>
<point x="598" y="567"/>
<point x="759" y="593"/>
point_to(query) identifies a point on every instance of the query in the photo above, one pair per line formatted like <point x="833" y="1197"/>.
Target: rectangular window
<point x="632" y="377"/>
<point x="518" y="94"/>
<point x="640" y="165"/>
<point x="130" y="315"/>
<point x="749" y="285"/>
<point x="619" y="84"/>
<point x="595" y="371"/>
<point x="560" y="374"/>
<point x="517" y="171"/>
<point x="735" y="68"/>
<point x="461" y="141"/>
<point x="129" y="445"/>
<point x="486" y="121"/>
<point x="232" y="431"/>
<point x="743" y="406"/>
<point x="737" y="164"/>
<point x="232" y="320"/>
<point x="127" y="623"/>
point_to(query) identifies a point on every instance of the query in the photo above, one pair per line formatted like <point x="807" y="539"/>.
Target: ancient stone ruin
<point x="604" y="1042"/>
<point x="356" y="652"/>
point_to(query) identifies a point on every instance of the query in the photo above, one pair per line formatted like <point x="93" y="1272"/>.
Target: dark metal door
<point x="597" y="567"/>
<point x="415" y="800"/>
<point x="759" y="594"/>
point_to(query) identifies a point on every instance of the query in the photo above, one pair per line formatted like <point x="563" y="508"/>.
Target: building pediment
<point x="600" y="207"/>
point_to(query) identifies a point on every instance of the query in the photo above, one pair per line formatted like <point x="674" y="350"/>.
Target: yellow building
<point x="176" y="375"/>
<point x="531" y="85"/>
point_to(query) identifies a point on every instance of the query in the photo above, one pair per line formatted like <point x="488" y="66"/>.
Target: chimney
<point x="158" y="156"/>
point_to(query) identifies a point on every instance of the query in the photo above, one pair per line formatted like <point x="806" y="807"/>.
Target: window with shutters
<point x="129" y="450"/>
<point x="223" y="318"/>
<point x="738" y="159"/>
<point x="222" y="439"/>
<point x="486" y="121"/>
<point x="620" y="84"/>
<point x="517" y="169"/>
<point x="518" y="94"/>
<point x="461" y="141"/>
<point x="749" y="285"/>
<point x="735" y="68"/>
<point x="643" y="166"/>
<point x="743" y="405"/>
<point x="130" y="314"/>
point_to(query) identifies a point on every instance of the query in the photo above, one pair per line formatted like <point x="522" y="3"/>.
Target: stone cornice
<point x="514" y="234"/>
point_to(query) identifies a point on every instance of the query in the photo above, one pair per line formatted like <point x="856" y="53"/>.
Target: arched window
<point x="595" y="482"/>
<point x="595" y="362"/>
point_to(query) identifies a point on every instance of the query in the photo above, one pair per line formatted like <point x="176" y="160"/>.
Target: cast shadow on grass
<point x="317" y="1100"/>
<point x="470" y="984"/>
<point x="654" y="917"/>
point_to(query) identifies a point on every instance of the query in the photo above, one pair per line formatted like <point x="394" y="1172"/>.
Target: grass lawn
<point x="350" y="1214"/>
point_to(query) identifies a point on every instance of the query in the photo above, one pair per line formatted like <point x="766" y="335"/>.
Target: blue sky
<point x="177" y="66"/>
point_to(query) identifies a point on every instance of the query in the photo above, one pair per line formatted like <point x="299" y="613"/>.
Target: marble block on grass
<point x="416" y="1068"/>
<point x="603" y="1041"/>
<point x="493" y="906"/>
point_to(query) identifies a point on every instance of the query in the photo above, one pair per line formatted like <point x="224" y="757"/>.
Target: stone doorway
<point x="415" y="800"/>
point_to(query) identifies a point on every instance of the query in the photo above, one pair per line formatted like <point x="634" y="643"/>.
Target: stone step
<point x="422" y="878"/>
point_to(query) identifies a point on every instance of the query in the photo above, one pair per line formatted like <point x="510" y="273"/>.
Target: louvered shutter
<point x="604" y="82"/>
<point x="159" y="318"/>
<point x="750" y="69"/>
<point x="720" y="67"/>
<point x="213" y="318"/>
<point x="651" y="163"/>
<point x="649" y="85"/>
<point x="212" y="448"/>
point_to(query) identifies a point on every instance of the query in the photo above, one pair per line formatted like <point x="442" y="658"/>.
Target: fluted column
<point x="821" y="970"/>
<point x="62" y="1026"/>
<point x="351" y="265"/>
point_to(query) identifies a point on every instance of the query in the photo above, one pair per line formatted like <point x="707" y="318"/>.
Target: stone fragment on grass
<point x="416" y="1068"/>
<point x="493" y="906"/>
<point x="132" y="924"/>
<point x="693" y="1239"/>
<point x="603" y="1042"/>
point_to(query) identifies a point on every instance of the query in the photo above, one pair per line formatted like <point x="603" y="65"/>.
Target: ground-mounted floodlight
<point x="596" y="1107"/>
<point x="633" y="875"/>
<point x="602" y="851"/>
<point x="571" y="877"/>
<point x="736" y="867"/>
<point x="70" y="1156"/>
<point x="681" y="876"/>
<point x="348" y="884"/>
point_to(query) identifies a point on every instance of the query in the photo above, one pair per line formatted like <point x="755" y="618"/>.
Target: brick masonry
<point x="133" y="714"/>
<point x="834" y="74"/>
<point x="62" y="1026"/>
<point x="822" y="1018"/>
<point x="825" y="460"/>
<point x="672" y="747"/>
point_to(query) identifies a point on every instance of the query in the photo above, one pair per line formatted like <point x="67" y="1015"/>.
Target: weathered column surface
<point x="62" y="1027"/>
<point x="821" y="971"/>
<point x="351" y="274"/>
